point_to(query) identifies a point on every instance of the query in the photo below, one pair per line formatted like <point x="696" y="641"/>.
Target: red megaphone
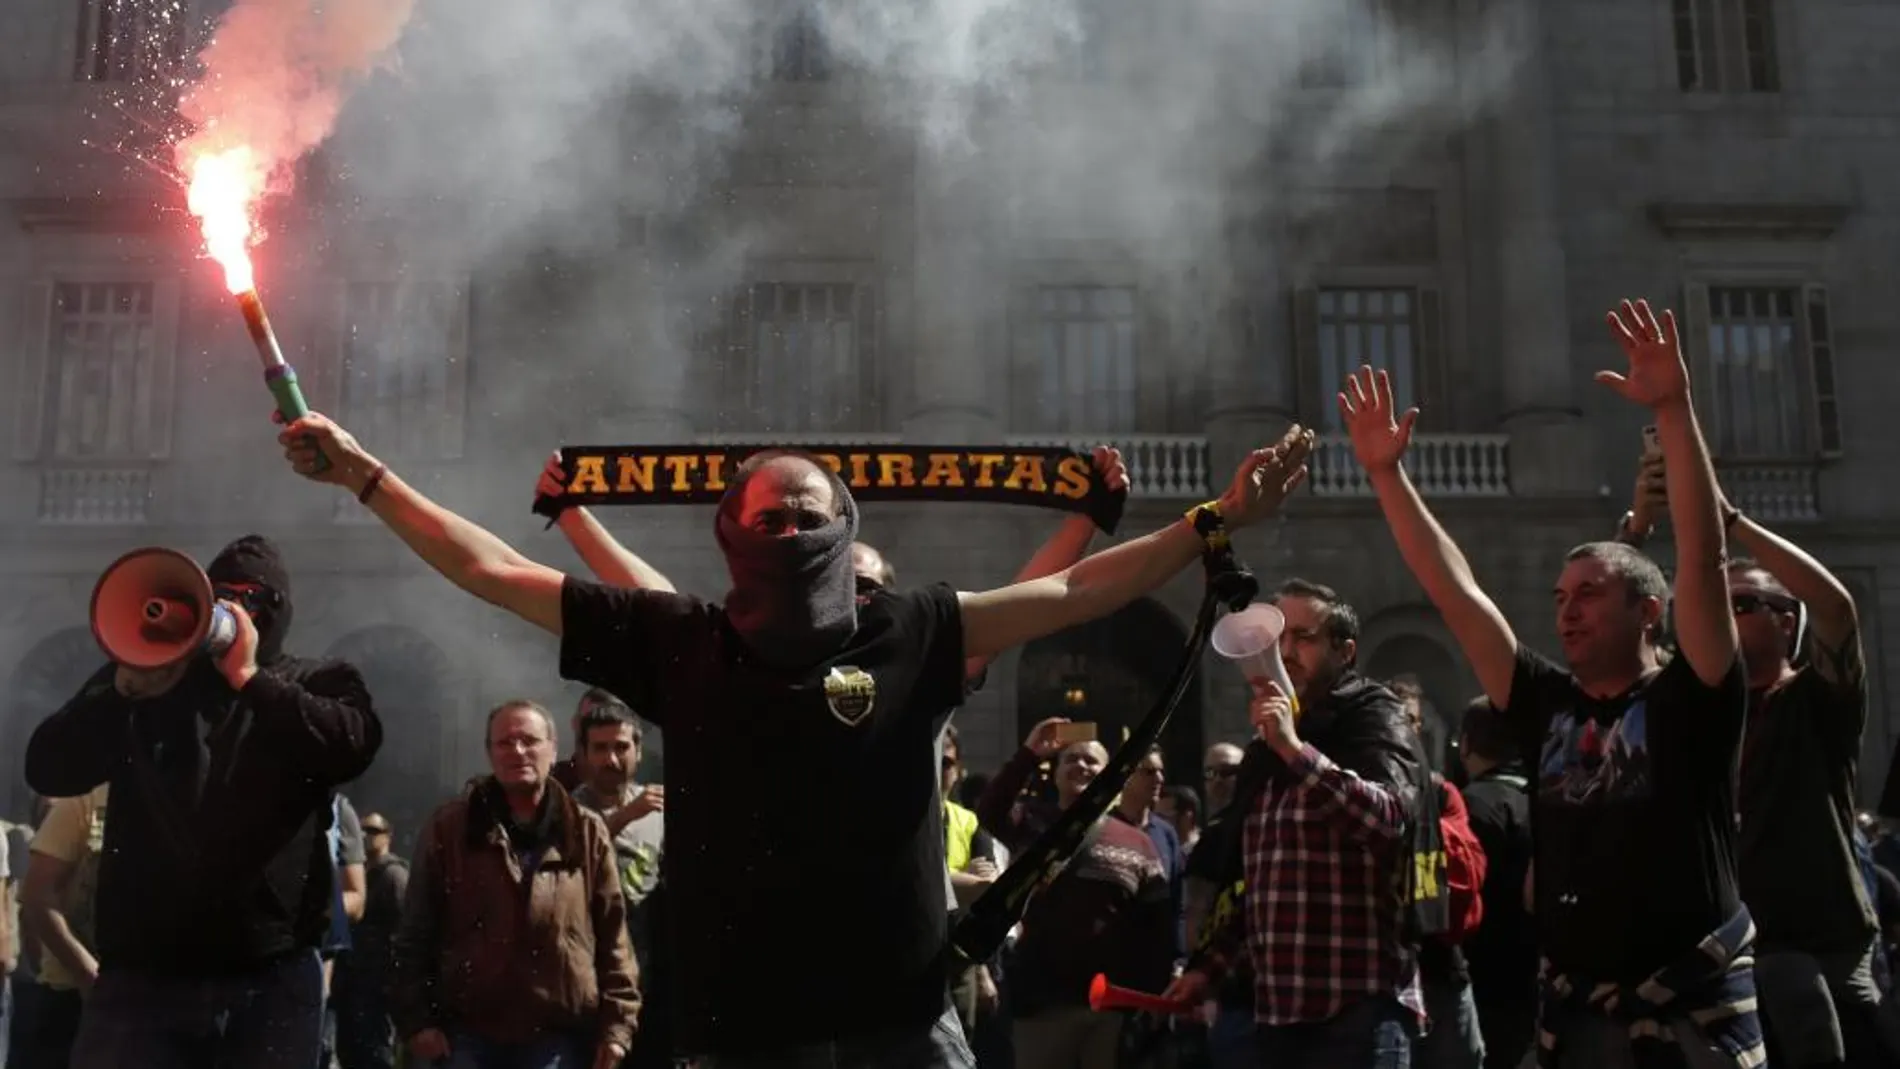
<point x="1104" y="997"/>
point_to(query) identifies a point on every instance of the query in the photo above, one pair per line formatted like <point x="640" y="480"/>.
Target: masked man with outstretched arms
<point x="806" y="848"/>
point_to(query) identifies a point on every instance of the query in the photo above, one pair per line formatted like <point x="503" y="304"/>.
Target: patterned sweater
<point x="1109" y="911"/>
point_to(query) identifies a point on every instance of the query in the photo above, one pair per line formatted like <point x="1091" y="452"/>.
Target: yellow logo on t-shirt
<point x="851" y="692"/>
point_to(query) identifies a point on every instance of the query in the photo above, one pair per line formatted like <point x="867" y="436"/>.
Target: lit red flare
<point x="223" y="192"/>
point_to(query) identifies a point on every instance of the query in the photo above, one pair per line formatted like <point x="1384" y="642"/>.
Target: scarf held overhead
<point x="1047" y="477"/>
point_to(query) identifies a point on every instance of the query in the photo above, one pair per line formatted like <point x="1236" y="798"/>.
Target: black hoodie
<point x="216" y="856"/>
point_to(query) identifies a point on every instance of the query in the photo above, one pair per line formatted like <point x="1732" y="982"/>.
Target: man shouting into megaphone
<point x="215" y="879"/>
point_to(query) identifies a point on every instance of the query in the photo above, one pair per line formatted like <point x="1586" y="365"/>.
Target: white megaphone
<point x="154" y="608"/>
<point x="1251" y="639"/>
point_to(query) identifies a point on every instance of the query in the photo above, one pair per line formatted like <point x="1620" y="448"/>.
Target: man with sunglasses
<point x="215" y="880"/>
<point x="1807" y="708"/>
<point x="364" y="1037"/>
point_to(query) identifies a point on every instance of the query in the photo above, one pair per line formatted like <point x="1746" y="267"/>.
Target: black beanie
<point x="254" y="559"/>
<point x="251" y="559"/>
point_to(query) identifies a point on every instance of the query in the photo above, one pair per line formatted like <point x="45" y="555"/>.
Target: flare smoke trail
<point x="606" y="171"/>
<point x="273" y="80"/>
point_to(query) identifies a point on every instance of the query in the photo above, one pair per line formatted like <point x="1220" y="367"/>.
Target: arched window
<point x="1111" y="672"/>
<point x="45" y="679"/>
<point x="1422" y="661"/>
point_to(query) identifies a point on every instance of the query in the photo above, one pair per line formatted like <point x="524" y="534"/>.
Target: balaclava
<point x="254" y="559"/>
<point x="793" y="597"/>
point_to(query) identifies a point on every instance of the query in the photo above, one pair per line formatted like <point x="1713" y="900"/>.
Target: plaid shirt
<point x="1324" y="914"/>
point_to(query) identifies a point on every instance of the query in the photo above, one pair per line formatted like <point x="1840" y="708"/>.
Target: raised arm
<point x="1380" y="435"/>
<point x="1070" y="542"/>
<point x="997" y="620"/>
<point x="611" y="562"/>
<point x="1833" y="622"/>
<point x="462" y="552"/>
<point x="1658" y="380"/>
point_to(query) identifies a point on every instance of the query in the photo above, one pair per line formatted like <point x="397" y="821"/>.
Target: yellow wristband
<point x="1207" y="522"/>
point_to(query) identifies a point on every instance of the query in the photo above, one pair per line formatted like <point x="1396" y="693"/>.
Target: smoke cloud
<point x="608" y="171"/>
<point x="274" y="75"/>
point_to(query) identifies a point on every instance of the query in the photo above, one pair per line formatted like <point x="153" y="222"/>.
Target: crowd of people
<point x="1642" y="852"/>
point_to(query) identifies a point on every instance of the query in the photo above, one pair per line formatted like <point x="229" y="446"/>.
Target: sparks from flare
<point x="223" y="191"/>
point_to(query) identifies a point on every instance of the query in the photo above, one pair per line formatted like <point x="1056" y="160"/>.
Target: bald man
<point x="807" y="847"/>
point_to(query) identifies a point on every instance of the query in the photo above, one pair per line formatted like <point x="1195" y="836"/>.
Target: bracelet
<point x="370" y="484"/>
<point x="1207" y="522"/>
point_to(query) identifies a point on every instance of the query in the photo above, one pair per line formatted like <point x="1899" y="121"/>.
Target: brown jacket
<point x="485" y="949"/>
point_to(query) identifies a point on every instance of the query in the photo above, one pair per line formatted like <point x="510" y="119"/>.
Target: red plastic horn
<point x="1105" y="997"/>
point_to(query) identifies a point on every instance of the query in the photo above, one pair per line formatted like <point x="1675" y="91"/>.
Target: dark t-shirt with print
<point x="1633" y="802"/>
<point x="1799" y="760"/>
<point x="805" y="859"/>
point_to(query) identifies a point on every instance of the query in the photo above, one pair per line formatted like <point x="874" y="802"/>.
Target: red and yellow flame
<point x="223" y="192"/>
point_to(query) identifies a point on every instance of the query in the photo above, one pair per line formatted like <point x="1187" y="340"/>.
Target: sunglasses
<point x="1223" y="772"/>
<point x="867" y="587"/>
<point x="375" y="830"/>
<point x="1744" y="604"/>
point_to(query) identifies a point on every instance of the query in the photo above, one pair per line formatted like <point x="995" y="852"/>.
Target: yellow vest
<point x="959" y="829"/>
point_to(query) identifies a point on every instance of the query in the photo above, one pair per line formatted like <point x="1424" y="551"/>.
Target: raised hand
<point x="1043" y="740"/>
<point x="553" y="481"/>
<point x="1657" y="377"/>
<point x="1380" y="433"/>
<point x="1108" y="464"/>
<point x="1266" y="478"/>
<point x="315" y="436"/>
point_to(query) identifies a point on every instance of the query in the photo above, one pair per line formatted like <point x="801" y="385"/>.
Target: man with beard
<point x="1640" y="920"/>
<point x="1317" y="835"/>
<point x="802" y="733"/>
<point x="215" y="881"/>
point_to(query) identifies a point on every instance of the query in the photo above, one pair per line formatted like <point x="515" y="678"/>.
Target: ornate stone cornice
<point x="1748" y="222"/>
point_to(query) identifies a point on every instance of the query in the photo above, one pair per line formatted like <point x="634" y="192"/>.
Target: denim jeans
<point x="1232" y="1040"/>
<point x="939" y="1045"/>
<point x="554" y="1051"/>
<point x="269" y="1018"/>
<point x="1375" y="1033"/>
<point x="1820" y="1010"/>
<point x="1451" y="1039"/>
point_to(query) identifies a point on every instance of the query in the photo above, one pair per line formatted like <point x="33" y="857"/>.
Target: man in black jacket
<point x="215" y="881"/>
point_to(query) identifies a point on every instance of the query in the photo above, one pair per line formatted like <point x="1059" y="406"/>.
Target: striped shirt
<point x="1710" y="988"/>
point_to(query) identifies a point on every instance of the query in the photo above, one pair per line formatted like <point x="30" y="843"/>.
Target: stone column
<point x="1550" y="447"/>
<point x="959" y="300"/>
<point x="1250" y="362"/>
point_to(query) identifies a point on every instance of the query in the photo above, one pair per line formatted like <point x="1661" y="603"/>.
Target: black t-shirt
<point x="1502" y="952"/>
<point x="1634" y="810"/>
<point x="1799" y="760"/>
<point x="805" y="843"/>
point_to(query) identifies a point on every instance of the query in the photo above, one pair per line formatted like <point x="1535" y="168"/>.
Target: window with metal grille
<point x="129" y="40"/>
<point x="105" y="399"/>
<point x="404" y="367"/>
<point x="1086" y="346"/>
<point x="801" y="358"/>
<point x="1725" y="46"/>
<point x="1365" y="327"/>
<point x="1766" y="371"/>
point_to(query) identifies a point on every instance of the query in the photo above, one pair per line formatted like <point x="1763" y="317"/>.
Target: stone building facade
<point x="1732" y="158"/>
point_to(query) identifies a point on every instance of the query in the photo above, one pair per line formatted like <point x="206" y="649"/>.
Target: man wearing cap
<point x="806" y="845"/>
<point x="214" y="890"/>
